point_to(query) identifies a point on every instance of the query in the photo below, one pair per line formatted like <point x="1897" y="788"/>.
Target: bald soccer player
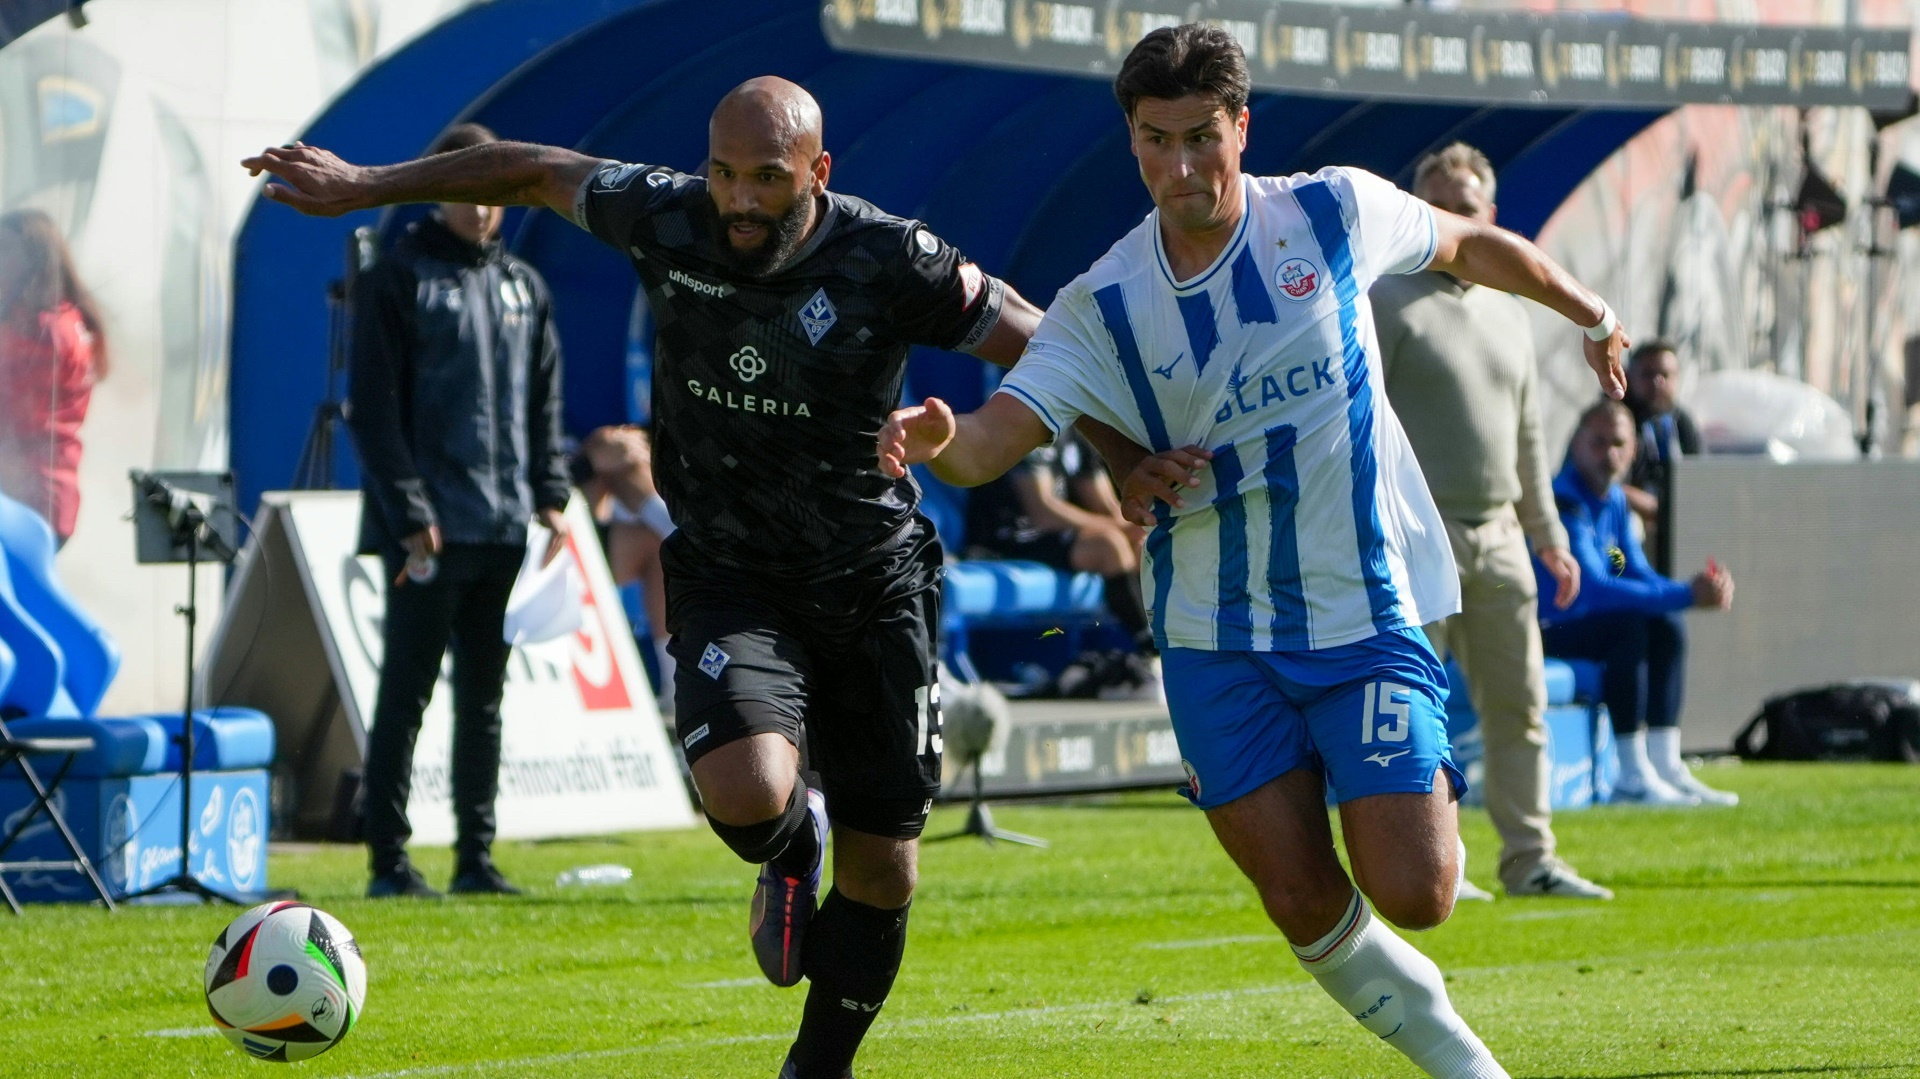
<point x="802" y="582"/>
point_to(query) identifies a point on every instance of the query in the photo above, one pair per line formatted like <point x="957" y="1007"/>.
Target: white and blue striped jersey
<point x="1313" y="527"/>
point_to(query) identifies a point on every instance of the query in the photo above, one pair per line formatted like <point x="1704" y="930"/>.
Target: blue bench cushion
<point x="989" y="589"/>
<point x="225" y="739"/>
<point x="1561" y="685"/>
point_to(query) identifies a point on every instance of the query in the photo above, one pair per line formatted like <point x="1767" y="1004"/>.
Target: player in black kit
<point x="802" y="584"/>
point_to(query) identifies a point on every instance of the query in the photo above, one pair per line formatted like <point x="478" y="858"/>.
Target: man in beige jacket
<point x="1461" y="376"/>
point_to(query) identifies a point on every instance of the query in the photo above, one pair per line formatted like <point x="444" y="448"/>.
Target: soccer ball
<point x="285" y="982"/>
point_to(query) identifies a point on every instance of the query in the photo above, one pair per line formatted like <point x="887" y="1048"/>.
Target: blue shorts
<point x="1369" y="716"/>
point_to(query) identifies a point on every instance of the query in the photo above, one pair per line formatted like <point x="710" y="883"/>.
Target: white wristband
<point x="1608" y="323"/>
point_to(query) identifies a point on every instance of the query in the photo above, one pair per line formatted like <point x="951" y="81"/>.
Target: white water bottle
<point x="594" y="874"/>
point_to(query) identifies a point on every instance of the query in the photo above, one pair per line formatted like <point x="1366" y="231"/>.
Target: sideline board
<point x="583" y="748"/>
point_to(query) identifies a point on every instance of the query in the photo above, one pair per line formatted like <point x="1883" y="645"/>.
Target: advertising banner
<point x="584" y="750"/>
<point x="1412" y="52"/>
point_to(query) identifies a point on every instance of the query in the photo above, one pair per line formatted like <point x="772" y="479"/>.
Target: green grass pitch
<point x="1781" y="938"/>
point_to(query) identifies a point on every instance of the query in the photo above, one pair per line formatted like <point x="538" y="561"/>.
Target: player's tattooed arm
<point x="317" y="182"/>
<point x="1491" y="256"/>
<point x="965" y="451"/>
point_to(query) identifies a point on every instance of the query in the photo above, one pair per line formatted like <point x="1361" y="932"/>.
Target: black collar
<point x="441" y="242"/>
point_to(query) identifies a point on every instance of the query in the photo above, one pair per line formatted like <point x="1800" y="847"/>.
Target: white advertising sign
<point x="583" y="752"/>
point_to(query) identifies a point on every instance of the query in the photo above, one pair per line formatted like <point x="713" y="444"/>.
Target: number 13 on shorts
<point x="1384" y="712"/>
<point x="926" y="701"/>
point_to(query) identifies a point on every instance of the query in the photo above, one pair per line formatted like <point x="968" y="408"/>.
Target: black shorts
<point x="853" y="659"/>
<point x="1049" y="548"/>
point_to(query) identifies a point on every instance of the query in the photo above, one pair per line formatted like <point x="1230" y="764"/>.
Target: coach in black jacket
<point x="455" y="408"/>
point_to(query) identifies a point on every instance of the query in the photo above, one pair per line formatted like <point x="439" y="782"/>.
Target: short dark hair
<point x="1175" y="61"/>
<point x="462" y="137"/>
<point x="1605" y="406"/>
<point x="1651" y="348"/>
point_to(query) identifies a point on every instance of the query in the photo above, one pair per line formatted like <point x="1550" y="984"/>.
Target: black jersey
<point x="769" y="392"/>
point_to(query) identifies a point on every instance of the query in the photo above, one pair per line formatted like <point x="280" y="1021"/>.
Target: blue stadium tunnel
<point x="1028" y="173"/>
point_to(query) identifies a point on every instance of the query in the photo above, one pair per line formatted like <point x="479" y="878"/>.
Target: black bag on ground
<point x="1853" y="721"/>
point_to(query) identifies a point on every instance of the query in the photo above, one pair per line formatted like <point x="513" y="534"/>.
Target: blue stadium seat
<point x="987" y="594"/>
<point x="1579" y="734"/>
<point x="88" y="659"/>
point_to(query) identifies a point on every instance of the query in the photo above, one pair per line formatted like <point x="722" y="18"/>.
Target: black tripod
<point x="980" y="819"/>
<point x="188" y="522"/>
<point x="315" y="470"/>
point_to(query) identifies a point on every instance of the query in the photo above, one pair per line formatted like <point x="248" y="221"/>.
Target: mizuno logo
<point x="1167" y="371"/>
<point x="1384" y="759"/>
<point x="704" y="288"/>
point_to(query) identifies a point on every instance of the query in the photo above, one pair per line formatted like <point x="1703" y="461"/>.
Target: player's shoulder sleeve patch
<point x="618" y="193"/>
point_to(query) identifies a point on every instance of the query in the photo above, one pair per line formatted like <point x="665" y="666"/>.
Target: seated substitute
<point x="614" y="470"/>
<point x="1058" y="507"/>
<point x="1627" y="615"/>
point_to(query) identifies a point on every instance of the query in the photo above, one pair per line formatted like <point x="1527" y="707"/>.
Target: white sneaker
<point x="1557" y="879"/>
<point x="1650" y="790"/>
<point x="1687" y="783"/>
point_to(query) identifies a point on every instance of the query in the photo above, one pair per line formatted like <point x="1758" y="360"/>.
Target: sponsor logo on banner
<point x="583" y="751"/>
<point x="244" y="839"/>
<point x="602" y="687"/>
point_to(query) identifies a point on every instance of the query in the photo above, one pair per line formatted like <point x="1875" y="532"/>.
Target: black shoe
<point x="403" y="882"/>
<point x="788" y="1071"/>
<point x="481" y="879"/>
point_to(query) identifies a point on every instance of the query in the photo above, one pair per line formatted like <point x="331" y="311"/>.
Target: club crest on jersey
<point x="1298" y="279"/>
<point x="818" y="316"/>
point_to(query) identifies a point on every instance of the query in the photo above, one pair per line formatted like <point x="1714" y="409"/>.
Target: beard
<point x="783" y="238"/>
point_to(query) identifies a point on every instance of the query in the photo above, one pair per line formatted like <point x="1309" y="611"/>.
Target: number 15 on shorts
<point x="1383" y="716"/>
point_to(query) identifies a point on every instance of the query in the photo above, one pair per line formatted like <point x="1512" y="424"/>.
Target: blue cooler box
<point x="122" y="800"/>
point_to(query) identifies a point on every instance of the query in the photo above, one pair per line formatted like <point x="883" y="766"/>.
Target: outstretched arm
<point x="1492" y="256"/>
<point x="965" y="451"/>
<point x="317" y="182"/>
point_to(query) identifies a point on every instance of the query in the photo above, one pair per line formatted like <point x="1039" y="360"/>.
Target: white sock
<point x="1631" y="751"/>
<point x="1663" y="751"/>
<point x="1396" y="993"/>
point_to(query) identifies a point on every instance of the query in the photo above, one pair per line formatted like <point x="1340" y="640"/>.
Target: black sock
<point x="853" y="955"/>
<point x="1124" y="600"/>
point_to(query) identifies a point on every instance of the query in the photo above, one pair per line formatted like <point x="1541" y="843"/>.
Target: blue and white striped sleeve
<point x="1068" y="369"/>
<point x="1398" y="233"/>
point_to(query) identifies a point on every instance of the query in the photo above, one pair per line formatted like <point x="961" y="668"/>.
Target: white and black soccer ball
<point x="285" y="982"/>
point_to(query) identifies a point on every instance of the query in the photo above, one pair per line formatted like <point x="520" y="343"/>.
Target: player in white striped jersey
<point x="1288" y="588"/>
